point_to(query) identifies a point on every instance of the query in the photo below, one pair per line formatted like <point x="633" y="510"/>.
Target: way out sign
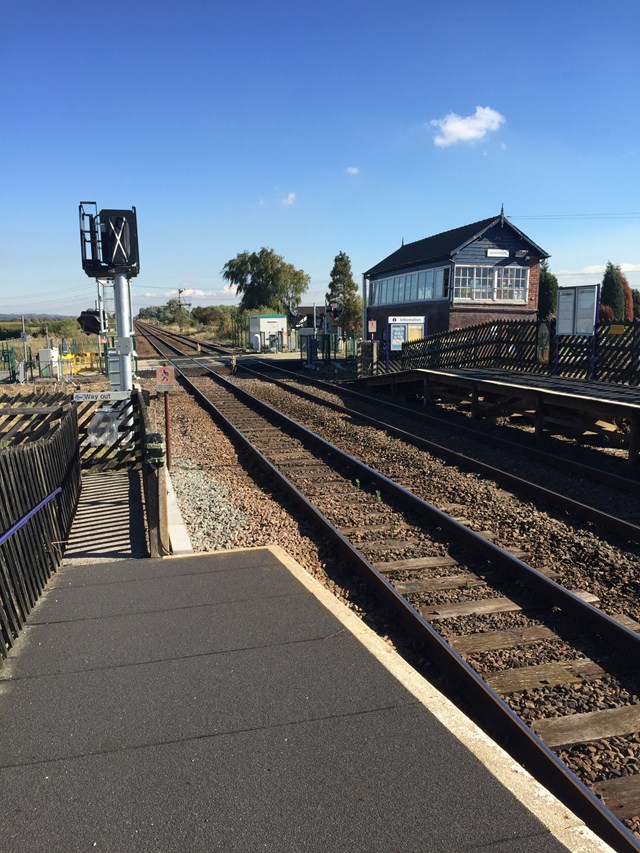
<point x="165" y="377"/>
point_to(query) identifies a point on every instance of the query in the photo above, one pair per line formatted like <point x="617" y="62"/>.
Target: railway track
<point x="458" y="439"/>
<point x="614" y="472"/>
<point x="598" y="506"/>
<point x="515" y="637"/>
<point x="172" y="339"/>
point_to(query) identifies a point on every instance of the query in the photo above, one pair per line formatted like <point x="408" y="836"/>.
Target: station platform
<point x="557" y="403"/>
<point x="109" y="523"/>
<point x="227" y="701"/>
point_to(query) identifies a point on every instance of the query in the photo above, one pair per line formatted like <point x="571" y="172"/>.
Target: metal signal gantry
<point x="109" y="246"/>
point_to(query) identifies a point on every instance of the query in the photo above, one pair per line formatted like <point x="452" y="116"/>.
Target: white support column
<point x="123" y="329"/>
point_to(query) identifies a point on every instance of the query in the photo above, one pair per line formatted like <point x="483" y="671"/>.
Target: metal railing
<point x="39" y="492"/>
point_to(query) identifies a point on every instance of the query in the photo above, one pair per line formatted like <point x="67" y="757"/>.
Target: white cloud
<point x="352" y="170"/>
<point x="598" y="269"/>
<point x="593" y="273"/>
<point x="289" y="200"/>
<point x="455" y="128"/>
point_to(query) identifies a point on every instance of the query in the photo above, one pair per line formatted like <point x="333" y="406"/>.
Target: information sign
<point x="398" y="335"/>
<point x="576" y="311"/>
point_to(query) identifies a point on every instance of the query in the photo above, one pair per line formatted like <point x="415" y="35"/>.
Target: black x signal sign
<point x="119" y="237"/>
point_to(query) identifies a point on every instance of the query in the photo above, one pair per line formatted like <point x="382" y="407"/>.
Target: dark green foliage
<point x="10" y="331"/>
<point x="612" y="291"/>
<point x="153" y="312"/>
<point x="635" y="296"/>
<point x="548" y="292"/>
<point x="218" y="319"/>
<point x="67" y="327"/>
<point x="343" y="295"/>
<point x="173" y="312"/>
<point x="265" y="280"/>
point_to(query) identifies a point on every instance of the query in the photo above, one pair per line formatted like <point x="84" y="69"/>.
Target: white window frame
<point x="496" y="280"/>
<point x="408" y="286"/>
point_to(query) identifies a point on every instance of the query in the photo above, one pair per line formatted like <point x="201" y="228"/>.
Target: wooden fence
<point x="29" y="417"/>
<point x="153" y="482"/>
<point x="39" y="491"/>
<point x="505" y="344"/>
<point x="611" y="355"/>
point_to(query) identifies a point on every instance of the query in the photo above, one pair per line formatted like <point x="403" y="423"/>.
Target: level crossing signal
<point x="109" y="241"/>
<point x="90" y="322"/>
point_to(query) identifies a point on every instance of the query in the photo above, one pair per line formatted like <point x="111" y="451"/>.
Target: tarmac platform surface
<point x="228" y="702"/>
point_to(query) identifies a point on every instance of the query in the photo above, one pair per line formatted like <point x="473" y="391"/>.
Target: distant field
<point x="10" y="332"/>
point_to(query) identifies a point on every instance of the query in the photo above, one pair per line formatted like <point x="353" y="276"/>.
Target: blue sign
<point x="398" y="335"/>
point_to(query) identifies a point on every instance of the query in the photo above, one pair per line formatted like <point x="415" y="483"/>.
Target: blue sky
<point x="311" y="130"/>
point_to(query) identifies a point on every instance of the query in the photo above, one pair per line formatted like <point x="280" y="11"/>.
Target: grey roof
<point x="442" y="246"/>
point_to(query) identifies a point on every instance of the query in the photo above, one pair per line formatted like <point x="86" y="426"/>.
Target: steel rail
<point x="559" y="596"/>
<point x="186" y="338"/>
<point x="522" y="741"/>
<point x="581" y="510"/>
<point x="530" y="749"/>
<point x="627" y="483"/>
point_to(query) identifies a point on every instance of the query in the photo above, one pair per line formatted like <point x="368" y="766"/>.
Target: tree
<point x="612" y="292"/>
<point x="264" y="279"/>
<point x="628" y="297"/>
<point x="153" y="312"/>
<point x="217" y="318"/>
<point x="606" y="314"/>
<point x="66" y="327"/>
<point x="547" y="293"/>
<point x="635" y="295"/>
<point x="342" y="295"/>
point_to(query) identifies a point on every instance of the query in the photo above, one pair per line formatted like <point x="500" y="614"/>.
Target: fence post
<point x="154" y="484"/>
<point x="593" y="372"/>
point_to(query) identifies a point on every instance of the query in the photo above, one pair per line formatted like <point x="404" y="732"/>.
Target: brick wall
<point x="534" y="284"/>
<point x="462" y="316"/>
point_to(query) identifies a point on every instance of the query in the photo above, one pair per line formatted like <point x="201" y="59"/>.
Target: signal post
<point x="109" y="245"/>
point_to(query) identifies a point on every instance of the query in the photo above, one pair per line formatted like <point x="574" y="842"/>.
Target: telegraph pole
<point x="180" y="306"/>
